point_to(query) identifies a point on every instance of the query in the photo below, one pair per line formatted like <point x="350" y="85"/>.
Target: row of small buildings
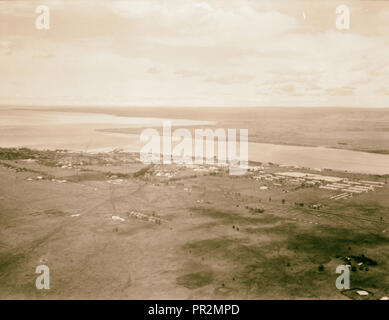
<point x="346" y="186"/>
<point x="353" y="187"/>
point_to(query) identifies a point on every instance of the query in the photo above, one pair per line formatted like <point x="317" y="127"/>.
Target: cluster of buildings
<point x="344" y="185"/>
<point x="307" y="177"/>
<point x="294" y="177"/>
<point x="165" y="173"/>
<point x="203" y="168"/>
<point x="115" y="181"/>
<point x="145" y="217"/>
<point x="172" y="171"/>
<point x="349" y="188"/>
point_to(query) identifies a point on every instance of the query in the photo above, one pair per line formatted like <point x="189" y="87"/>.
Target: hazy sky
<point x="195" y="53"/>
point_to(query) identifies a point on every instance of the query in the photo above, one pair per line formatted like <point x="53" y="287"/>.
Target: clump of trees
<point x="255" y="210"/>
<point x="299" y="204"/>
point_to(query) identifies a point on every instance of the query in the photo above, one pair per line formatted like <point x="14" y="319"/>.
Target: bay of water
<point x="78" y="132"/>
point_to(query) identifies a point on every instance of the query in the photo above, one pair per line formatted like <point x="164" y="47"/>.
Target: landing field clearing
<point x="183" y="232"/>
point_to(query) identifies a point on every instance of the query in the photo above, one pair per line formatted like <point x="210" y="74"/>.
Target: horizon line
<point x="185" y="107"/>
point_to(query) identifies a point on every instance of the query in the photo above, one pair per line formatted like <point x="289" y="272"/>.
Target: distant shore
<point x="356" y="129"/>
<point x="340" y="146"/>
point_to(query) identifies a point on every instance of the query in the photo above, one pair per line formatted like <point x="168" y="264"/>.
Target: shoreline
<point x="275" y="142"/>
<point x="309" y="127"/>
<point x="39" y="154"/>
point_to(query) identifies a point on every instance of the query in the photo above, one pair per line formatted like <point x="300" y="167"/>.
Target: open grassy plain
<point x="109" y="226"/>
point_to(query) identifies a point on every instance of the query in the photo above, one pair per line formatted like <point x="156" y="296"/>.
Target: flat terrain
<point x="111" y="227"/>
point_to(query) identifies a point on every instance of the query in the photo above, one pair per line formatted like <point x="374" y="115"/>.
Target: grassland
<point x="219" y="236"/>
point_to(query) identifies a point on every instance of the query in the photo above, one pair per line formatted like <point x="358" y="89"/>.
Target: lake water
<point x="74" y="131"/>
<point x="77" y="131"/>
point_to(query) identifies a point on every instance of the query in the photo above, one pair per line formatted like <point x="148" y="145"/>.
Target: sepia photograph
<point x="203" y="150"/>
